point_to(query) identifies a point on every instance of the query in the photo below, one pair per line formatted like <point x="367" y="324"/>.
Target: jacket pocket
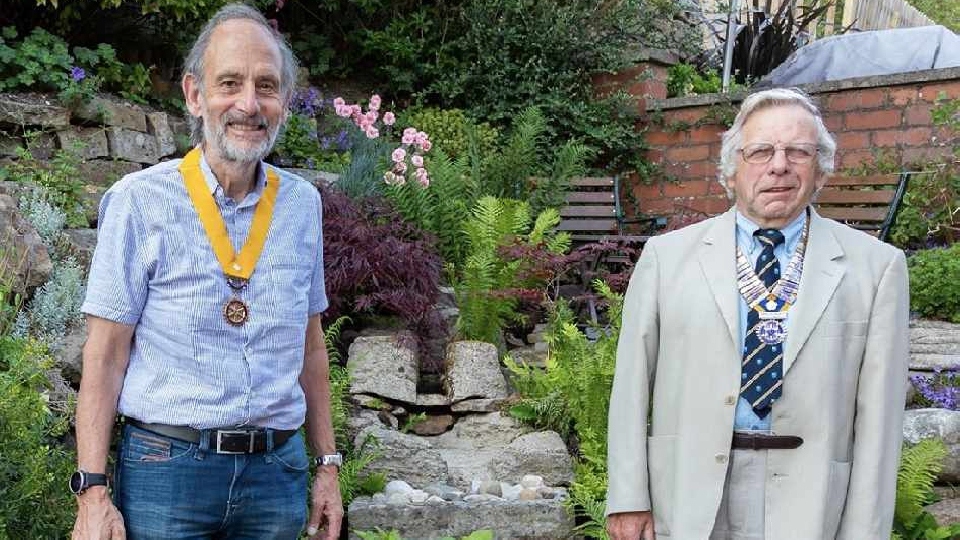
<point x="661" y="457"/>
<point x="837" y="484"/>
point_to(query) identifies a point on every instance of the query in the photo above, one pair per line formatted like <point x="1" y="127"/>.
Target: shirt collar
<point x="791" y="233"/>
<point x="216" y="189"/>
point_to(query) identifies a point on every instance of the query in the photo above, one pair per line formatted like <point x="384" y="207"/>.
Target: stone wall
<point x="876" y="120"/>
<point x="111" y="137"/>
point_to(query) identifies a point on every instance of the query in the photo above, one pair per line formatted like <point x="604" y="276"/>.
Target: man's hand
<point x="631" y="526"/>
<point x="97" y="517"/>
<point x="326" y="508"/>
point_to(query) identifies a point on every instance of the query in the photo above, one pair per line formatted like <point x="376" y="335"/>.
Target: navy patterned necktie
<point x="762" y="368"/>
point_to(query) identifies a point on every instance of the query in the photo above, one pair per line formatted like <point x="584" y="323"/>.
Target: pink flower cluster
<point x="364" y="120"/>
<point x="413" y="143"/>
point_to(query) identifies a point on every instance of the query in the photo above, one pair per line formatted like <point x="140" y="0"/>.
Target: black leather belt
<point x="222" y="441"/>
<point x="762" y="441"/>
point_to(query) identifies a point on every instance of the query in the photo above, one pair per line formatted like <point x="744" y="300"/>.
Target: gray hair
<point x="733" y="137"/>
<point x="193" y="65"/>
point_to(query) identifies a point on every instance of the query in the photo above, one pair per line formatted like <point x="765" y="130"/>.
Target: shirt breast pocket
<point x="288" y="287"/>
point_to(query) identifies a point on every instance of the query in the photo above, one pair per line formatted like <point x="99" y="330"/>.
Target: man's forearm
<point x="315" y="381"/>
<point x="105" y="358"/>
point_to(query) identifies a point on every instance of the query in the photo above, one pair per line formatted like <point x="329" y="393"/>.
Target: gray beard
<point x="230" y="152"/>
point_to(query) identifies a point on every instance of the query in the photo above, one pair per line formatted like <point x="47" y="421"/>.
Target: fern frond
<point x="919" y="466"/>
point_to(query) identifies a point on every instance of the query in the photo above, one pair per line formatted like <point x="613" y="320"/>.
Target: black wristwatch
<point x="81" y="481"/>
<point x="335" y="459"/>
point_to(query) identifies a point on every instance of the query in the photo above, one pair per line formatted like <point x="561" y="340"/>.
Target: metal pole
<point x="731" y="41"/>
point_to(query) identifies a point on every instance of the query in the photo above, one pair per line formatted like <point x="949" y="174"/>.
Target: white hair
<point x="774" y="97"/>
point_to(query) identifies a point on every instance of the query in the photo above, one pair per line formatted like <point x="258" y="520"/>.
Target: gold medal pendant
<point x="236" y="312"/>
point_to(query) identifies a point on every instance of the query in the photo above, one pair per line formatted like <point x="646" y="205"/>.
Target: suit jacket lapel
<point x="717" y="257"/>
<point x="823" y="269"/>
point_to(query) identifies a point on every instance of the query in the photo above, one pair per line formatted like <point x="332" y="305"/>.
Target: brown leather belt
<point x="762" y="441"/>
<point x="221" y="441"/>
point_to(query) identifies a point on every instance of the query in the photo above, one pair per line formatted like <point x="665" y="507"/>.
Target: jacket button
<point x="730" y="400"/>
<point x="721" y="458"/>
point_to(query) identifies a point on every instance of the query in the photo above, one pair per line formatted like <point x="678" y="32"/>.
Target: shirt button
<point x="730" y="400"/>
<point x="721" y="458"/>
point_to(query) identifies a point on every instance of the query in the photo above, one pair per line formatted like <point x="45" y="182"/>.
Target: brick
<point x="657" y="206"/>
<point x="685" y="188"/>
<point x="834" y="122"/>
<point x="649" y="191"/>
<point x="706" y="134"/>
<point x="902" y="96"/>
<point x="931" y="92"/>
<point x="918" y="115"/>
<point x="709" y="205"/>
<point x="688" y="153"/>
<point x="716" y="188"/>
<point x="855" y="158"/>
<point x="925" y="155"/>
<point x="873" y="119"/>
<point x="907" y="137"/>
<point x="675" y="169"/>
<point x="686" y="116"/>
<point x="665" y="138"/>
<point x="654" y="155"/>
<point x="856" y="99"/>
<point x="705" y="169"/>
<point x="853" y="140"/>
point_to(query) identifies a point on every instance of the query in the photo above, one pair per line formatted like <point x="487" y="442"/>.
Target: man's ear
<point x="191" y="94"/>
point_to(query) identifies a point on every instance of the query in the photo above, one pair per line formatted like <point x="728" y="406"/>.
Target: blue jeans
<point x="171" y="489"/>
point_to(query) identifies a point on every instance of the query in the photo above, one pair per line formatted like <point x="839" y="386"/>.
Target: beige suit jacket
<point x="678" y="365"/>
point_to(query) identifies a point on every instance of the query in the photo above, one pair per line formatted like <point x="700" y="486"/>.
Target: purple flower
<point x="77" y="74"/>
<point x="343" y="140"/>
<point x="942" y="389"/>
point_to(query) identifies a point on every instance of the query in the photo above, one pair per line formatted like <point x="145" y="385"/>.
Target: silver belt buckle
<point x="249" y="434"/>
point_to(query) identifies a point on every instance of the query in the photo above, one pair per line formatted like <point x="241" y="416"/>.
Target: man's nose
<point x="779" y="161"/>
<point x="247" y="101"/>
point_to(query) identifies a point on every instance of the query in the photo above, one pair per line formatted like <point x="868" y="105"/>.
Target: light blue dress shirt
<point x="154" y="268"/>
<point x="746" y="419"/>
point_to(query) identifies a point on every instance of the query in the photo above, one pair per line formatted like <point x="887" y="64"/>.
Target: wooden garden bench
<point x="868" y="203"/>
<point x="593" y="213"/>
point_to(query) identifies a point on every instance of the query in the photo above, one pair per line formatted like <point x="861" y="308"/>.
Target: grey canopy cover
<point x="862" y="54"/>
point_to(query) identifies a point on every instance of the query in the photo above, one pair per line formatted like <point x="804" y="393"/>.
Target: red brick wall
<point x="889" y="125"/>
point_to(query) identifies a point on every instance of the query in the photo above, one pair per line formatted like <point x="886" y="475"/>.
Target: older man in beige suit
<point x="761" y="368"/>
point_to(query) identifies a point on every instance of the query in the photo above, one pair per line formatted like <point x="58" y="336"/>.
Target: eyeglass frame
<point x="785" y="147"/>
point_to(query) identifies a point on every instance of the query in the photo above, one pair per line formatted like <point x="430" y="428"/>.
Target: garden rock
<point x="112" y="113"/>
<point x="32" y="110"/>
<point x="10" y="147"/>
<point x="946" y="512"/>
<point x="132" y="145"/>
<point x="473" y="371"/>
<point x="919" y="424"/>
<point x="531" y="356"/>
<point x="477" y="405"/>
<point x="28" y="257"/>
<point x="80" y="245"/>
<point x="404" y="457"/>
<point x="433" y="425"/>
<point x="86" y="143"/>
<point x="381" y="366"/>
<point x="68" y="355"/>
<point x="105" y="172"/>
<point x="934" y="345"/>
<point x="539" y="519"/>
<point x="540" y="452"/>
<point x="159" y="127"/>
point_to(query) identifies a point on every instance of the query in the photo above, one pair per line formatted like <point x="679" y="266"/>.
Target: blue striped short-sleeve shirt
<point x="154" y="268"/>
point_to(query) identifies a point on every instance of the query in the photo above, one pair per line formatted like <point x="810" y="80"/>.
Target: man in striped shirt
<point x="204" y="331"/>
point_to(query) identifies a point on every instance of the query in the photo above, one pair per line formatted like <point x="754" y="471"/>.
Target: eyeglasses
<point x="763" y="152"/>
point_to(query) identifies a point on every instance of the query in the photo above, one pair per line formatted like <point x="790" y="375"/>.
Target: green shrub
<point x="684" y="80"/>
<point x="930" y="212"/>
<point x="56" y="305"/>
<point x="35" y="463"/>
<point x="486" y="284"/>
<point x="449" y="130"/>
<point x="919" y="466"/>
<point x="935" y="283"/>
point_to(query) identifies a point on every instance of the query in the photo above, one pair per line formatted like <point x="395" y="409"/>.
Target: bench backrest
<point x="868" y="203"/>
<point x="593" y="211"/>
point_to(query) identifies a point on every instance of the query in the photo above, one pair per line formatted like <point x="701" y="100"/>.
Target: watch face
<point x="76" y="482"/>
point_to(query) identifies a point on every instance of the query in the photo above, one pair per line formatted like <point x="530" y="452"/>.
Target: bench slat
<point x="844" y="214"/>
<point x="871" y="180"/>
<point x="856" y="196"/>
<point x="588" y="211"/>
<point x="592" y="181"/>
<point x="590" y="197"/>
<point x="609" y="225"/>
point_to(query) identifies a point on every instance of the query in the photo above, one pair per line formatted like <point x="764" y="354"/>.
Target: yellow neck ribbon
<point x="234" y="265"/>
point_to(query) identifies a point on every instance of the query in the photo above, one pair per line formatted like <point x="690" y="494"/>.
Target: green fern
<point x="505" y="173"/>
<point x="919" y="466"/>
<point x="551" y="191"/>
